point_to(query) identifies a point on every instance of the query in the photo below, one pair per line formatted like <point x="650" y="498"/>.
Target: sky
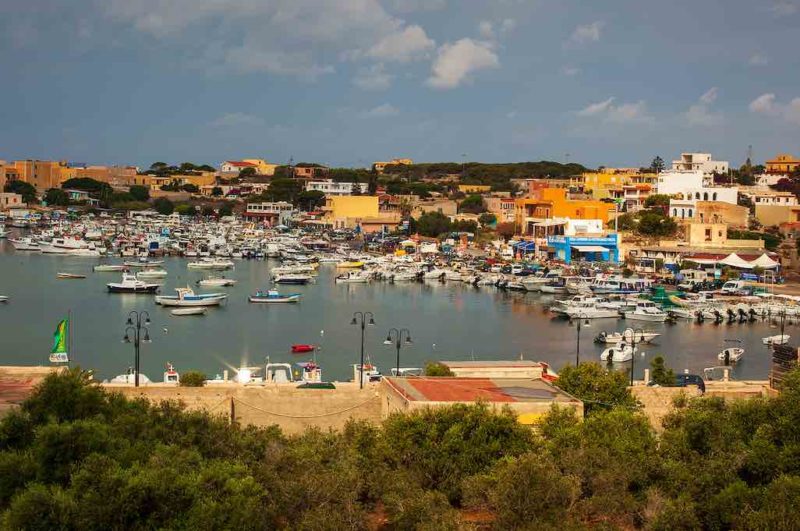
<point x="349" y="82"/>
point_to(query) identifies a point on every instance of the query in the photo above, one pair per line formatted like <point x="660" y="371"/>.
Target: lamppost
<point x="582" y="319"/>
<point x="633" y="333"/>
<point x="137" y="321"/>
<point x="397" y="338"/>
<point x="361" y="318"/>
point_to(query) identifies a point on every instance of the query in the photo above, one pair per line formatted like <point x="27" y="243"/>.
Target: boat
<point x="216" y="282"/>
<point x="350" y="264"/>
<point x="187" y="297"/>
<point x="131" y="284"/>
<point x="557" y="286"/>
<point x="129" y="378"/>
<point x="171" y="376"/>
<point x="274" y="297"/>
<point x="153" y="273"/>
<point x="780" y="339"/>
<point x="353" y="277"/>
<point x="618" y="337"/>
<point x="25" y="244"/>
<point x="219" y="265"/>
<point x="69" y="275"/>
<point x="731" y="355"/>
<point x="197" y="310"/>
<point x="144" y="262"/>
<point x="292" y="278"/>
<point x="106" y="268"/>
<point x="3" y="298"/>
<point x="620" y="353"/>
<point x="302" y="348"/>
<point x="310" y="372"/>
<point x="646" y="311"/>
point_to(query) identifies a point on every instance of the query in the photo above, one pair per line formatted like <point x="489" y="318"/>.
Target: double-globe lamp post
<point x="136" y="323"/>
<point x="581" y="318"/>
<point x="632" y="332"/>
<point x="363" y="319"/>
<point x="396" y="336"/>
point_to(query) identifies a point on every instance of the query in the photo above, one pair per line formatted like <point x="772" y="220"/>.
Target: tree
<point x="308" y="200"/>
<point x="434" y="368"/>
<point x="372" y="183"/>
<point x="216" y="191"/>
<point x="433" y="224"/>
<point x="284" y="190"/>
<point x="487" y="219"/>
<point x="657" y="200"/>
<point x="56" y="197"/>
<point x="657" y="166"/>
<point x="191" y="188"/>
<point x="601" y="388"/>
<point x="139" y="193"/>
<point x="226" y="209"/>
<point x="26" y="190"/>
<point x="660" y="374"/>
<point x="473" y="204"/>
<point x="655" y="224"/>
<point x="247" y="172"/>
<point x="192" y="379"/>
<point x="506" y="230"/>
<point x="163" y="206"/>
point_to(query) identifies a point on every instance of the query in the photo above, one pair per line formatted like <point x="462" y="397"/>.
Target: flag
<point x="59" y="353"/>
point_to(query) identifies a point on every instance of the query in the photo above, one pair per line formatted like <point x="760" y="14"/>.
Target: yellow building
<point x="262" y="166"/>
<point x="43" y="174"/>
<point x="380" y="166"/>
<point x="782" y="164"/>
<point x="549" y="203"/>
<point x="474" y="188"/>
<point x="351" y="211"/>
<point x="610" y="182"/>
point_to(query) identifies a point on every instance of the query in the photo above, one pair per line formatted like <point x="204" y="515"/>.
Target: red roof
<point x="239" y="163"/>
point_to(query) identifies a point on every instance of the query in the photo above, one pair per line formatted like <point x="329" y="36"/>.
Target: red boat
<point x="302" y="349"/>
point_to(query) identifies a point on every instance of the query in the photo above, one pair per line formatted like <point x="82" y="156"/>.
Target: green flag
<point x="59" y="353"/>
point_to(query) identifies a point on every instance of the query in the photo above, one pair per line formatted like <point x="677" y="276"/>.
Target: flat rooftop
<point x="471" y="389"/>
<point x="491" y="363"/>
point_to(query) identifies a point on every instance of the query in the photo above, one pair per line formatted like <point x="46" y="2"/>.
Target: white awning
<point x="764" y="262"/>
<point x="591" y="249"/>
<point x="734" y="260"/>
<point x="550" y="223"/>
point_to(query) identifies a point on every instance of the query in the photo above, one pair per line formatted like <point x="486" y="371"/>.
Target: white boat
<point x="129" y="378"/>
<point x="131" y="284"/>
<point x="646" y="311"/>
<point x="219" y="265"/>
<point x="144" y="262"/>
<point x="353" y="277"/>
<point x="614" y="338"/>
<point x="404" y="276"/>
<point x="292" y="278"/>
<point x="620" y="353"/>
<point x="731" y="355"/>
<point x="153" y="273"/>
<point x="25" y="244"/>
<point x="776" y="340"/>
<point x="273" y="297"/>
<point x="3" y="298"/>
<point x="535" y="282"/>
<point x="590" y="310"/>
<point x="434" y="274"/>
<point x="216" y="282"/>
<point x="106" y="268"/>
<point x="187" y="297"/>
<point x="197" y="310"/>
<point x="62" y="246"/>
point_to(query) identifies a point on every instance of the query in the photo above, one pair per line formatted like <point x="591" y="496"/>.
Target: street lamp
<point x="397" y="338"/>
<point x="633" y="333"/>
<point x="582" y="319"/>
<point x="136" y="323"/>
<point x="361" y="318"/>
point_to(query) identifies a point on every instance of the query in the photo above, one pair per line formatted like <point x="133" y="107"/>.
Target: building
<point x="309" y="172"/>
<point x="734" y="216"/>
<point x="529" y="187"/>
<point x="550" y="203"/>
<point x="448" y="207"/>
<point x="359" y="212"/>
<point x="700" y="162"/>
<point x="530" y="399"/>
<point x="783" y="164"/>
<point x="775" y="215"/>
<point x="765" y="196"/>
<point x="634" y="196"/>
<point x="8" y="172"/>
<point x="43" y="174"/>
<point x="81" y="196"/>
<point x="275" y="213"/>
<point x="474" y="188"/>
<point x="497" y="369"/>
<point x="10" y="200"/>
<point x="331" y="187"/>
<point x="231" y="168"/>
<point x="379" y="167"/>
<point x="262" y="166"/>
<point x="584" y="248"/>
<point x="704" y="243"/>
<point x="501" y="207"/>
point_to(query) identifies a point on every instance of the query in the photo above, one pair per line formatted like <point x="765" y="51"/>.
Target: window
<point x="697" y="195"/>
<point x="705" y="196"/>
<point x="690" y="212"/>
<point x="708" y="235"/>
<point x="714" y="196"/>
<point x="675" y="212"/>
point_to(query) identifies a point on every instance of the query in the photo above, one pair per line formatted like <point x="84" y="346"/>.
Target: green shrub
<point x="192" y="379"/>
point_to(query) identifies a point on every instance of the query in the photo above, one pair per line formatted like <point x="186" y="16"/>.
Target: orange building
<point x="547" y="203"/>
<point x="43" y="174"/>
<point x="782" y="164"/>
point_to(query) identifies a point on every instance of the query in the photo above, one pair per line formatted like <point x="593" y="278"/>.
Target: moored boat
<point x="107" y="268"/>
<point x="187" y="297"/>
<point x="131" y="284"/>
<point x="274" y="297"/>
<point x="69" y="276"/>
<point x="216" y="282"/>
<point x="198" y="310"/>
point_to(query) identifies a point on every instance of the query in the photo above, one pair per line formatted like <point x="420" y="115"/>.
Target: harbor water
<point x="448" y="321"/>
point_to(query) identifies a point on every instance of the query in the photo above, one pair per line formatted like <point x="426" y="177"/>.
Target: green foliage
<point x="163" y="206"/>
<point x="56" y="197"/>
<point x="191" y="188"/>
<point x="657" y="166"/>
<point x="247" y="172"/>
<point x="660" y="374"/>
<point x="433" y="224"/>
<point x="434" y="368"/>
<point x="657" y="200"/>
<point x="473" y="204"/>
<point x="647" y="223"/>
<point x="95" y="188"/>
<point x="283" y="190"/>
<point x="26" y="190"/>
<point x="600" y="388"/>
<point x="185" y="209"/>
<point x="192" y="379"/>
<point x="139" y="192"/>
<point x="226" y="209"/>
<point x="216" y="191"/>
<point x="771" y="241"/>
<point x="487" y="219"/>
<point x="308" y="200"/>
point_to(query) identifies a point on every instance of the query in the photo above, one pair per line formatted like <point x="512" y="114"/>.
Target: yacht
<point x="353" y="277"/>
<point x="535" y="282"/>
<point x="614" y="338"/>
<point x="25" y="244"/>
<point x="131" y="284"/>
<point x="646" y="311"/>
<point x="63" y="246"/>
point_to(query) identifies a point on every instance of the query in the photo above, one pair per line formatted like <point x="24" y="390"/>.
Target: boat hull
<point x="123" y="289"/>
<point x="273" y="300"/>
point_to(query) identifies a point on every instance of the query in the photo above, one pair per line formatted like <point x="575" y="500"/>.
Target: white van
<point x="733" y="287"/>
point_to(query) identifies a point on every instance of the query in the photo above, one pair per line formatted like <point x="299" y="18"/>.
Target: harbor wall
<point x="293" y="409"/>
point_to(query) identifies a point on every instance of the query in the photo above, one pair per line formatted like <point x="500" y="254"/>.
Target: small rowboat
<point x="201" y="310"/>
<point x="272" y="296"/>
<point x="302" y="349"/>
<point x="108" y="268"/>
<point x="69" y="275"/>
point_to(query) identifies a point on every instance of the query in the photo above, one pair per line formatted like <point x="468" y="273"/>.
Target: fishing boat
<point x="143" y="263"/>
<point x="25" y="244"/>
<point x="780" y="339"/>
<point x="187" y="297"/>
<point x="107" y="268"/>
<point x="131" y="284"/>
<point x="302" y="348"/>
<point x="620" y="353"/>
<point x="219" y="265"/>
<point x="353" y="277"/>
<point x="292" y="278"/>
<point x="274" y="297"/>
<point x="310" y="372"/>
<point x="216" y="282"/>
<point x="614" y="338"/>
<point x="153" y="273"/>
<point x="171" y="376"/>
<point x="129" y="378"/>
<point x="197" y="310"/>
<point x="69" y="275"/>
<point x="731" y="355"/>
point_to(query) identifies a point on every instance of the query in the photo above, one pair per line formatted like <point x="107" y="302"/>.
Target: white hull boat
<point x="776" y="340"/>
<point x="216" y="282"/>
<point x="731" y="355"/>
<point x="201" y="310"/>
<point x="617" y="354"/>
<point x="153" y="273"/>
<point x="108" y="268"/>
<point x="187" y="298"/>
<point x="25" y="244"/>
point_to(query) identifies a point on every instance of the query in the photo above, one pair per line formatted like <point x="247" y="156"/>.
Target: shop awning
<point x="734" y="260"/>
<point x="591" y="249"/>
<point x="525" y="246"/>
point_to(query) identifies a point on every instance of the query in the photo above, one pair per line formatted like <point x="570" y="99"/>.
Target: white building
<point x="690" y="185"/>
<point x="331" y="187"/>
<point x="765" y="196"/>
<point x="701" y="162"/>
<point x="273" y="211"/>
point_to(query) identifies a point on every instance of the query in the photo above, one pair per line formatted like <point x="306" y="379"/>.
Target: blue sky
<point x="347" y="82"/>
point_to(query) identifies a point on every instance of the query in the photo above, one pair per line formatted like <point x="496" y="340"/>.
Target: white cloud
<point x="768" y="105"/>
<point x="570" y="71"/>
<point x="758" y="59"/>
<point x="381" y="111"/>
<point x="710" y="96"/>
<point x="700" y="113"/>
<point x="486" y="29"/>
<point x="764" y="104"/>
<point x="587" y="33"/>
<point x="624" y="113"/>
<point x="403" y="46"/>
<point x="236" y="119"/>
<point x="455" y="62"/>
<point x="373" y="77"/>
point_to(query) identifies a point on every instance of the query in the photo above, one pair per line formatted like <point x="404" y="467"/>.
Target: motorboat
<point x="69" y="276"/>
<point x="216" y="282"/>
<point x="350" y="264"/>
<point x="434" y="274"/>
<point x="404" y="276"/>
<point x="646" y="311"/>
<point x="3" y="298"/>
<point x="108" y="268"/>
<point x="780" y="339"/>
<point x="371" y="374"/>
<point x="143" y="262"/>
<point x="353" y="277"/>
<point x="310" y="372"/>
<point x="614" y="338"/>
<point x="302" y="348"/>
<point x="293" y="278"/>
<point x="219" y="265"/>
<point x="129" y="378"/>
<point x="196" y="310"/>
<point x="590" y="310"/>
<point x="557" y="286"/>
<point x="25" y="244"/>
<point x="274" y="297"/>
<point x="535" y="282"/>
<point x="62" y="246"/>
<point x="731" y="355"/>
<point x="153" y="273"/>
<point x="187" y="297"/>
<point x="131" y="284"/>
<point x="619" y="353"/>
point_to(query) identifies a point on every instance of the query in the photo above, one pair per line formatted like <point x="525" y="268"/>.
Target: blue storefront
<point x="566" y="248"/>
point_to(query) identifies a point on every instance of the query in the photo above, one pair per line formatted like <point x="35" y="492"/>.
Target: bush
<point x="434" y="368"/>
<point x="192" y="379"/>
<point x="164" y="206"/>
<point x="660" y="374"/>
<point x="139" y="193"/>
